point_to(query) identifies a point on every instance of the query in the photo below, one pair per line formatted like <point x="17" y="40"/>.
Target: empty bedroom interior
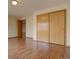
<point x="38" y="29"/>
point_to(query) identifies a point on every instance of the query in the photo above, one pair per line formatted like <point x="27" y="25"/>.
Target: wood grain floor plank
<point x="29" y="49"/>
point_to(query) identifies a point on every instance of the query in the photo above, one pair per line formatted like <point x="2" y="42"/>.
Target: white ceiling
<point x="28" y="7"/>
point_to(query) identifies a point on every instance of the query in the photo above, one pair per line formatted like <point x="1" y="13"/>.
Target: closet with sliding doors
<point x="51" y="27"/>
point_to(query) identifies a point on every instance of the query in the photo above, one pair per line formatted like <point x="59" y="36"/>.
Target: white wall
<point x="29" y="26"/>
<point x="12" y="26"/>
<point x="55" y="8"/>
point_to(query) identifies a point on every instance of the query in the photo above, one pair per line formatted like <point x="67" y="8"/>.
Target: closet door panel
<point x="43" y="27"/>
<point x="57" y="27"/>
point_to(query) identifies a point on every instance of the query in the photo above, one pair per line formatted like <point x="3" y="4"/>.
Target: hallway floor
<point x="19" y="48"/>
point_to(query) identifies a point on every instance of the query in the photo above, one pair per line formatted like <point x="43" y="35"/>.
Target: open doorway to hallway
<point x="21" y="28"/>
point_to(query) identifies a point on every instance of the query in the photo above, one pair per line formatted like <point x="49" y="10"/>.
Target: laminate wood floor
<point x="19" y="48"/>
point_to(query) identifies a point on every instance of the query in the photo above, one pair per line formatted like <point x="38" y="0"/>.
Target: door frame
<point x="21" y="28"/>
<point x="65" y="11"/>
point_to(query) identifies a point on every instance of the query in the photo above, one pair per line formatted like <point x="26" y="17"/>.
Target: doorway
<point x="21" y="28"/>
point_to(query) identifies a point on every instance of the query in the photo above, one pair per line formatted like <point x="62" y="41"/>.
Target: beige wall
<point x="12" y="26"/>
<point x="59" y="7"/>
<point x="31" y="22"/>
<point x="29" y="26"/>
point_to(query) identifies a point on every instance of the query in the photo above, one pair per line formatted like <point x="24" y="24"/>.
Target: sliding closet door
<point x="43" y="27"/>
<point x="57" y="27"/>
